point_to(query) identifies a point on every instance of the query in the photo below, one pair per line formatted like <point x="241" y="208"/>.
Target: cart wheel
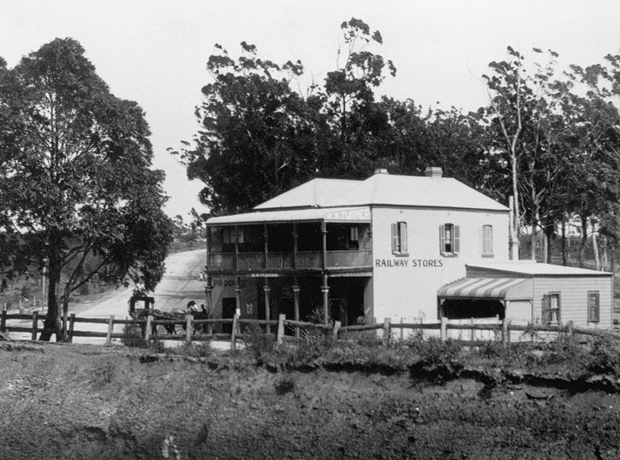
<point x="179" y="329"/>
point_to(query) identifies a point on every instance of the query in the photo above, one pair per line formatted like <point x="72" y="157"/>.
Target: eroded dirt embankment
<point x="87" y="402"/>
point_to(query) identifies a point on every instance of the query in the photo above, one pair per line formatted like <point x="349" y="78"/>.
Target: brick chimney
<point x="433" y="171"/>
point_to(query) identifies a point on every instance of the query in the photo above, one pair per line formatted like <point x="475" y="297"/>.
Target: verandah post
<point x="267" y="290"/>
<point x="296" y="290"/>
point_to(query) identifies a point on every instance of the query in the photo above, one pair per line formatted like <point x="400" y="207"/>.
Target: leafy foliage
<point x="548" y="138"/>
<point x="76" y="184"/>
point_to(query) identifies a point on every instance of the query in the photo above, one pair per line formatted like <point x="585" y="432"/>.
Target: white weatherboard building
<point x="403" y="247"/>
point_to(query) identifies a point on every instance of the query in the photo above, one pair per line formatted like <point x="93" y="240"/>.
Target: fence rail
<point x="190" y="329"/>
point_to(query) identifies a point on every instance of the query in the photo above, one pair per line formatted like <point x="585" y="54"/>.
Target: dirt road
<point x="180" y="284"/>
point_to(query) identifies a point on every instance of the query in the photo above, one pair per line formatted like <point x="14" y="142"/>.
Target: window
<point x="354" y="234"/>
<point x="449" y="239"/>
<point x="594" y="306"/>
<point x="231" y="234"/>
<point x="399" y="238"/>
<point x="487" y="241"/>
<point x="551" y="309"/>
<point x="354" y="237"/>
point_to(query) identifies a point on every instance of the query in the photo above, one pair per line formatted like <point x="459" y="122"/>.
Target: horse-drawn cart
<point x="173" y="322"/>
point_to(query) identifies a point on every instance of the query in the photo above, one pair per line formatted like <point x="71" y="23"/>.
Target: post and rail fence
<point x="189" y="329"/>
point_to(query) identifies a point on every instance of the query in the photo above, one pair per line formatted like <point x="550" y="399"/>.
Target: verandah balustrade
<point x="288" y="260"/>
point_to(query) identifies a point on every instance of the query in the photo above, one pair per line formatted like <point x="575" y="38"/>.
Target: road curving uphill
<point x="180" y="284"/>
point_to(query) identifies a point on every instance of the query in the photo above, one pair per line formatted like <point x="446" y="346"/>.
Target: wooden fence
<point x="190" y="329"/>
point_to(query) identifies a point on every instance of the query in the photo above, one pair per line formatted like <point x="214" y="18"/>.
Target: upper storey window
<point x="399" y="238"/>
<point x="487" y="241"/>
<point x="449" y="239"/>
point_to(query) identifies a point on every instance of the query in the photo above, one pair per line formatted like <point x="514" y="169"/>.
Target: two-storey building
<point x="352" y="250"/>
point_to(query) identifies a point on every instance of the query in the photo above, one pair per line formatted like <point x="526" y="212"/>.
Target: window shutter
<point x="394" y="238"/>
<point x="457" y="240"/>
<point x="403" y="236"/>
<point x="546" y="309"/>
<point x="442" y="239"/>
<point x="487" y="239"/>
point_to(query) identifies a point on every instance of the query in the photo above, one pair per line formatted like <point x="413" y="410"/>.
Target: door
<point x="229" y="306"/>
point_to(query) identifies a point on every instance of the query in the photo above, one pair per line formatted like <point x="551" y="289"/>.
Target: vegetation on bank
<point x="563" y="361"/>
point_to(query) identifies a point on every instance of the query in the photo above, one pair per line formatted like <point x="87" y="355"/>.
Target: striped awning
<point x="487" y="288"/>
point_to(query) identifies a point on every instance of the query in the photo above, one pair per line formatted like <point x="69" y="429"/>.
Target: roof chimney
<point x="433" y="171"/>
<point x="381" y="171"/>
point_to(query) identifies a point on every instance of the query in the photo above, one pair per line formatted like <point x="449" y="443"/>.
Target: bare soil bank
<point x="91" y="402"/>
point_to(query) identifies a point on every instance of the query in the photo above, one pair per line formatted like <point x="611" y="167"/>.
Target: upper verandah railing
<point x="292" y="246"/>
<point x="302" y="260"/>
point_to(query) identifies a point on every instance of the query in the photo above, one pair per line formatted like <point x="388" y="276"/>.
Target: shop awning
<point x="488" y="288"/>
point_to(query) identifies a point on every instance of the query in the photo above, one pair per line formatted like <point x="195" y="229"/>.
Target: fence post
<point x="337" y="325"/>
<point x="108" y="339"/>
<point x="402" y="330"/>
<point x="149" y="326"/>
<point x="71" y="326"/>
<point x="421" y="329"/>
<point x="497" y="331"/>
<point x="35" y="319"/>
<point x="188" y="327"/>
<point x="443" y="331"/>
<point x="387" y="332"/>
<point x="3" y="319"/>
<point x="569" y="327"/>
<point x="280" y="336"/>
<point x="473" y="331"/>
<point x="233" y="335"/>
<point x="505" y="331"/>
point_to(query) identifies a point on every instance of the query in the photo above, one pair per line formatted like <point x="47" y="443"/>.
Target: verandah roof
<point x="344" y="214"/>
<point x="488" y="288"/>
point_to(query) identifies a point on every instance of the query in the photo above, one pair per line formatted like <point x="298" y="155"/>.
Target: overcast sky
<point x="155" y="51"/>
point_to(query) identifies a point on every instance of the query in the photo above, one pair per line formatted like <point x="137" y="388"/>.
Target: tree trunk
<point x="549" y="231"/>
<point x="515" y="194"/>
<point x="597" y="258"/>
<point x="564" y="262"/>
<point x="51" y="325"/>
<point x="584" y="239"/>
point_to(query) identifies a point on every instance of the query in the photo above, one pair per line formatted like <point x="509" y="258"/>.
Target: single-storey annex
<point x="529" y="292"/>
<point x="404" y="247"/>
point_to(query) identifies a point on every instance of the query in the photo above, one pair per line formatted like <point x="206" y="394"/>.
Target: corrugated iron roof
<point x="384" y="189"/>
<point x="314" y="193"/>
<point x="532" y="268"/>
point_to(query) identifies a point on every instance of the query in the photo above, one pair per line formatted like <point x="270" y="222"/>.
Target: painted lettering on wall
<point x="349" y="214"/>
<point x="414" y="263"/>
<point x="217" y="282"/>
